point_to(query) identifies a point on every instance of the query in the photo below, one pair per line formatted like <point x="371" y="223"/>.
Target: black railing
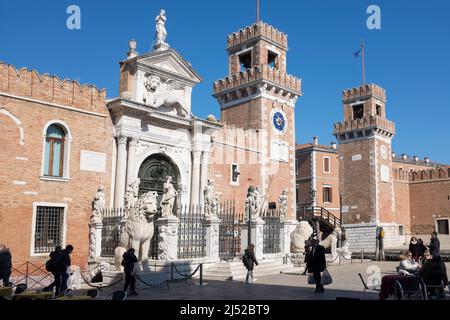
<point x="111" y="230"/>
<point x="310" y="213"/>
<point x="191" y="233"/>
<point x="271" y="231"/>
<point x="229" y="231"/>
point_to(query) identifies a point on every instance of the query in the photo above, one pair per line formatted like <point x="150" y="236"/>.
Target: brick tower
<point x="365" y="136"/>
<point x="258" y="94"/>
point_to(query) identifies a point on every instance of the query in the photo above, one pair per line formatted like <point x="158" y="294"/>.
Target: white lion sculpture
<point x="169" y="96"/>
<point x="331" y="242"/>
<point x="138" y="230"/>
<point x="301" y="234"/>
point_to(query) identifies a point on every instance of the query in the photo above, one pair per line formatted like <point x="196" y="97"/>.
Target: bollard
<point x="340" y="261"/>
<point x="26" y="275"/>
<point x="201" y="274"/>
<point x="171" y="271"/>
<point x="362" y="255"/>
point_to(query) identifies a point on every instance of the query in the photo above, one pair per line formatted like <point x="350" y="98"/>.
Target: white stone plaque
<point x="356" y="157"/>
<point x="279" y="151"/>
<point x="92" y="161"/>
<point x="384" y="173"/>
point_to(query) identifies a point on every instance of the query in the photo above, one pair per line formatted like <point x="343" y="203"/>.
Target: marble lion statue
<point x="331" y="242"/>
<point x="138" y="230"/>
<point x="168" y="95"/>
<point x="298" y="237"/>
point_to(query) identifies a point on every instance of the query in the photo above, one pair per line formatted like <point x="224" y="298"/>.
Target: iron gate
<point x="271" y="231"/>
<point x="191" y="233"/>
<point x="111" y="230"/>
<point x="229" y="231"/>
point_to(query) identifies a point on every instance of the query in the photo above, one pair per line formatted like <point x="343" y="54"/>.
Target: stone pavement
<point x="291" y="286"/>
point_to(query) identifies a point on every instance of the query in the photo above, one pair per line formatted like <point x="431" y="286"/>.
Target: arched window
<point x="54" y="151"/>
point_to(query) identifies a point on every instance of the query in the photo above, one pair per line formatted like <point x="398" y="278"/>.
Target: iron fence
<point x="229" y="231"/>
<point x="271" y="231"/>
<point x="111" y="230"/>
<point x="191" y="232"/>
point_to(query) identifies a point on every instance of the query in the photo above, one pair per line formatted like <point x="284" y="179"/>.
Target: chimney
<point x="427" y="160"/>
<point x="315" y="141"/>
<point x="404" y="157"/>
<point x="333" y="145"/>
<point x="416" y="158"/>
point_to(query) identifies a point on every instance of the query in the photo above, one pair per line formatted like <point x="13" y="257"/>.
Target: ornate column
<point x="212" y="238"/>
<point x="168" y="238"/>
<point x="131" y="160"/>
<point x="120" y="171"/>
<point x="204" y="173"/>
<point x="287" y="227"/>
<point x="195" y="185"/>
<point x="257" y="236"/>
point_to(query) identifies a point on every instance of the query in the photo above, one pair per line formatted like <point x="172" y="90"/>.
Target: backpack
<point x="49" y="265"/>
<point x="245" y="260"/>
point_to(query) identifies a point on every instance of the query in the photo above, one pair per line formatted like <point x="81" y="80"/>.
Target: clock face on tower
<point x="279" y="121"/>
<point x="384" y="152"/>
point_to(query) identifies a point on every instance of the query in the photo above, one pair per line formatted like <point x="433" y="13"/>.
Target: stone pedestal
<point x="168" y="238"/>
<point x="95" y="240"/>
<point x="212" y="238"/>
<point x="257" y="236"/>
<point x="287" y="227"/>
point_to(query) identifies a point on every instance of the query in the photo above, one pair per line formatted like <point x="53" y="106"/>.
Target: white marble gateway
<point x="154" y="124"/>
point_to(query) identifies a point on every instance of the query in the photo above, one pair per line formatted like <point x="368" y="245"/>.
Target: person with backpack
<point x="5" y="264"/>
<point x="129" y="259"/>
<point x="249" y="261"/>
<point x="54" y="266"/>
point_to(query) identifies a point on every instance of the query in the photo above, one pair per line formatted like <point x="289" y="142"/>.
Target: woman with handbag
<point x="317" y="264"/>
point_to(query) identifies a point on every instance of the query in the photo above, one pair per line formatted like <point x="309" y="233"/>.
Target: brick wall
<point x="28" y="102"/>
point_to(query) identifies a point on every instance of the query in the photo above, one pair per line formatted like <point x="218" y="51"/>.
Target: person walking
<point x="55" y="267"/>
<point x="307" y="251"/>
<point x="317" y="264"/>
<point x="435" y="245"/>
<point x="5" y="264"/>
<point x="65" y="265"/>
<point x="129" y="259"/>
<point x="249" y="262"/>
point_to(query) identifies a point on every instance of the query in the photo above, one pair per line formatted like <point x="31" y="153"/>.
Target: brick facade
<point x="28" y="103"/>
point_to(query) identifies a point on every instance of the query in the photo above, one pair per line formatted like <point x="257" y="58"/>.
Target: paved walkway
<point x="292" y="286"/>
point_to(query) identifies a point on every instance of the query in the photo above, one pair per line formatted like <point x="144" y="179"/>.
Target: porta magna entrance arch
<point x="153" y="173"/>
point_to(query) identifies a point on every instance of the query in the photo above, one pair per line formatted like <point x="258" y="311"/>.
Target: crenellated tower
<point x="366" y="177"/>
<point x="259" y="94"/>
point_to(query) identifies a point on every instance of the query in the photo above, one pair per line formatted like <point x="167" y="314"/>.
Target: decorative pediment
<point x="171" y="63"/>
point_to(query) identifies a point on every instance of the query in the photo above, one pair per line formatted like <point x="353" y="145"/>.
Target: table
<point x="388" y="284"/>
<point x="73" y="298"/>
<point x="6" y="292"/>
<point x="35" y="295"/>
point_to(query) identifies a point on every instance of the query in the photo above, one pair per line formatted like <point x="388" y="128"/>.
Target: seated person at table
<point x="434" y="273"/>
<point x="408" y="266"/>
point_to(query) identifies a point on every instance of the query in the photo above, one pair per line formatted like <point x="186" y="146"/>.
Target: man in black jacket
<point x="250" y="261"/>
<point x="56" y="268"/>
<point x="129" y="259"/>
<point x="66" y="263"/>
<point x="435" y="245"/>
<point x="5" y="264"/>
<point x="317" y="263"/>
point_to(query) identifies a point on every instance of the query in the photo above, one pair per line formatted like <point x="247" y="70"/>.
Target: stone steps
<point x="235" y="270"/>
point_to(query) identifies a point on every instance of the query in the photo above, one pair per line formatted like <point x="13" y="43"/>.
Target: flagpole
<point x="257" y="10"/>
<point x="363" y="66"/>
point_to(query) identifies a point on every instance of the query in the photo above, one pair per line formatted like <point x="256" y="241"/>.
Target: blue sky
<point x="409" y="56"/>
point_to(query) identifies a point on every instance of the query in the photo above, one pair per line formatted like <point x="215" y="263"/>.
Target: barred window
<point x="49" y="228"/>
